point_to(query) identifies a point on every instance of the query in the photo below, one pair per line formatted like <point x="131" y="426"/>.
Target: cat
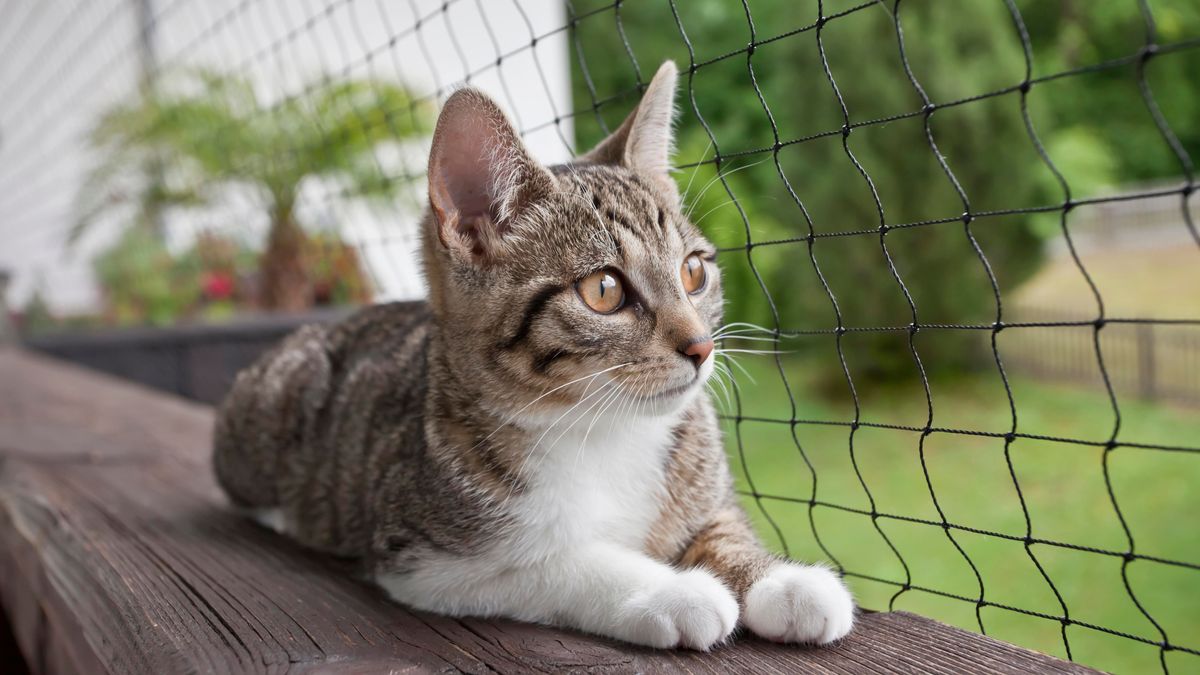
<point x="534" y="441"/>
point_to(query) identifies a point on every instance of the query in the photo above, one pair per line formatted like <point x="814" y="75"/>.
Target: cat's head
<point x="587" y="272"/>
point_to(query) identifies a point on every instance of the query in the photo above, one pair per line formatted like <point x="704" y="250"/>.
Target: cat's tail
<point x="263" y="422"/>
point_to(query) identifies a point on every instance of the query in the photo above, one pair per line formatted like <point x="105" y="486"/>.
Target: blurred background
<point x="970" y="230"/>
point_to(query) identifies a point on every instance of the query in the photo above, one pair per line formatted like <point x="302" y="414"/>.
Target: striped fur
<point x="505" y="450"/>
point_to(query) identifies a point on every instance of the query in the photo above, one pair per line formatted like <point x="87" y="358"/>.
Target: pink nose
<point x="697" y="350"/>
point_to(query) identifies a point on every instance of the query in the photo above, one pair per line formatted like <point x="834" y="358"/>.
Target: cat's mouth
<point x="674" y="391"/>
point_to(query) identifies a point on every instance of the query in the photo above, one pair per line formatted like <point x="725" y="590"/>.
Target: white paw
<point x="692" y="610"/>
<point x="799" y="603"/>
<point x="272" y="519"/>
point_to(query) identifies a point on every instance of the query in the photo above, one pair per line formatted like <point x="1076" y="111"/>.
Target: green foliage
<point x="143" y="282"/>
<point x="209" y="129"/>
<point x="215" y="277"/>
<point x="200" y="131"/>
<point x="36" y="317"/>
<point x="335" y="269"/>
<point x="1096" y="129"/>
<point x="1107" y="103"/>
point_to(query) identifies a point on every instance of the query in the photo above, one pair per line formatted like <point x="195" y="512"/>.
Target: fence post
<point x="1146" y="360"/>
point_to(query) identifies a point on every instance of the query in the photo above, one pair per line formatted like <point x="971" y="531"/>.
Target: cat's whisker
<point x="709" y="212"/>
<point x="743" y="331"/>
<point x="595" y="405"/>
<point x="631" y="400"/>
<point x="720" y="371"/>
<point x="731" y="383"/>
<point x="625" y="402"/>
<point x="567" y="412"/>
<point x="695" y="170"/>
<point x="514" y="415"/>
<point x="739" y="366"/>
<point x="598" y="402"/>
<point x="605" y="401"/>
<point x="725" y="350"/>
<point x="529" y="454"/>
<point x="617" y="392"/>
<point x="696" y="202"/>
<point x="727" y="202"/>
<point x="609" y="400"/>
<point x="750" y="338"/>
<point x="742" y="326"/>
<point x="640" y="401"/>
<point x="715" y="394"/>
<point x="713" y="180"/>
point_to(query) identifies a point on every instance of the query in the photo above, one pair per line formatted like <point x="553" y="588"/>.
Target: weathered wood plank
<point x="118" y="555"/>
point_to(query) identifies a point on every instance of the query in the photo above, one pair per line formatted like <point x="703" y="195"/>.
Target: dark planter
<point x="194" y="361"/>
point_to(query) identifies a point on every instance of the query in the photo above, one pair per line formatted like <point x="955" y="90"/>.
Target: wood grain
<point x="118" y="554"/>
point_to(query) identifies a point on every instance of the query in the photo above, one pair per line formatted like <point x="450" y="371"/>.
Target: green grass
<point x="1063" y="486"/>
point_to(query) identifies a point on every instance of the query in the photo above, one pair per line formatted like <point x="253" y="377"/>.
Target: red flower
<point x="217" y="285"/>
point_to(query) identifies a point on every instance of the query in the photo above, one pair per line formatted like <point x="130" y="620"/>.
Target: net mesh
<point x="572" y="70"/>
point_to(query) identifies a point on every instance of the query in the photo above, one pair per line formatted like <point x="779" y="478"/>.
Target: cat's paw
<point x="692" y="610"/>
<point x="272" y="519"/>
<point x="799" y="603"/>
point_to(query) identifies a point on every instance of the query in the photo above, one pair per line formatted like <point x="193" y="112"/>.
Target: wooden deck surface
<point x="118" y="554"/>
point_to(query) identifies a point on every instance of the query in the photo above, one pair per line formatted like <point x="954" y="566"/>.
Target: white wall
<point x="62" y="62"/>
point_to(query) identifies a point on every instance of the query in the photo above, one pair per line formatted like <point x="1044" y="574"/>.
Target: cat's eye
<point x="693" y="274"/>
<point x="602" y="291"/>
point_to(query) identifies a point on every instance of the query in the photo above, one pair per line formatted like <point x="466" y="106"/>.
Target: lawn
<point x="1063" y="485"/>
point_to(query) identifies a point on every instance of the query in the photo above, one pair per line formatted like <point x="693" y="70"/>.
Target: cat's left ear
<point x="644" y="142"/>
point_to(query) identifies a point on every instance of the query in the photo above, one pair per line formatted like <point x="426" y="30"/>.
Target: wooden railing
<point x="118" y="555"/>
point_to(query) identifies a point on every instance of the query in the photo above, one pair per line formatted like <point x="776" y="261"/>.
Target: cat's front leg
<point x="781" y="600"/>
<point x="602" y="589"/>
<point x="624" y="594"/>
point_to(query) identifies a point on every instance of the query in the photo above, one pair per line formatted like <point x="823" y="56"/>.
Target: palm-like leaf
<point x="202" y="130"/>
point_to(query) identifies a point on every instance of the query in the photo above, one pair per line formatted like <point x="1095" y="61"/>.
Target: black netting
<point x="883" y="179"/>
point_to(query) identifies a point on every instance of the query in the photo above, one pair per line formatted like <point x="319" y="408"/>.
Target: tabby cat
<point x="535" y="441"/>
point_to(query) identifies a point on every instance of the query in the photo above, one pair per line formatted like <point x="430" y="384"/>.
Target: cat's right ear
<point x="481" y="177"/>
<point x="645" y="139"/>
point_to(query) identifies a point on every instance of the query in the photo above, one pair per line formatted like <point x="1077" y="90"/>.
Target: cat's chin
<point x="675" y="392"/>
<point x="671" y="400"/>
<point x="668" y="403"/>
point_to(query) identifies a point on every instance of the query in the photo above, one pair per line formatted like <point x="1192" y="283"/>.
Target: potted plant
<point x="193" y="137"/>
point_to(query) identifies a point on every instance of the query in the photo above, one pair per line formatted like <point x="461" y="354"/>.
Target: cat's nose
<point x="697" y="350"/>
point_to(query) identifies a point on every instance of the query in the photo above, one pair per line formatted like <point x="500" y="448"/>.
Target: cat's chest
<point x="606" y="484"/>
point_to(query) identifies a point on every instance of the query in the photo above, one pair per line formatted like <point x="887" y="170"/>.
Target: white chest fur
<point x="584" y="486"/>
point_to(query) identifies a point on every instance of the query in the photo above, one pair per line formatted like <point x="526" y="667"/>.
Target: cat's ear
<point x="644" y="140"/>
<point x="481" y="177"/>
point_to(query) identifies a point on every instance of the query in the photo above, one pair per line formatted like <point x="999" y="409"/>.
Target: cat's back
<point x="388" y="330"/>
<point x="303" y="428"/>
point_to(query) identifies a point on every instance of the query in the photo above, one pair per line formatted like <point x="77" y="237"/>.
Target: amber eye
<point x="601" y="291"/>
<point x="693" y="275"/>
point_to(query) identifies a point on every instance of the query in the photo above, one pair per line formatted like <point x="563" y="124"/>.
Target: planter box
<point x="196" y="361"/>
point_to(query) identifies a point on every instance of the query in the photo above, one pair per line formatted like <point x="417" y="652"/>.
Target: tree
<point x="954" y="53"/>
<point x="208" y="131"/>
<point x="1094" y="125"/>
